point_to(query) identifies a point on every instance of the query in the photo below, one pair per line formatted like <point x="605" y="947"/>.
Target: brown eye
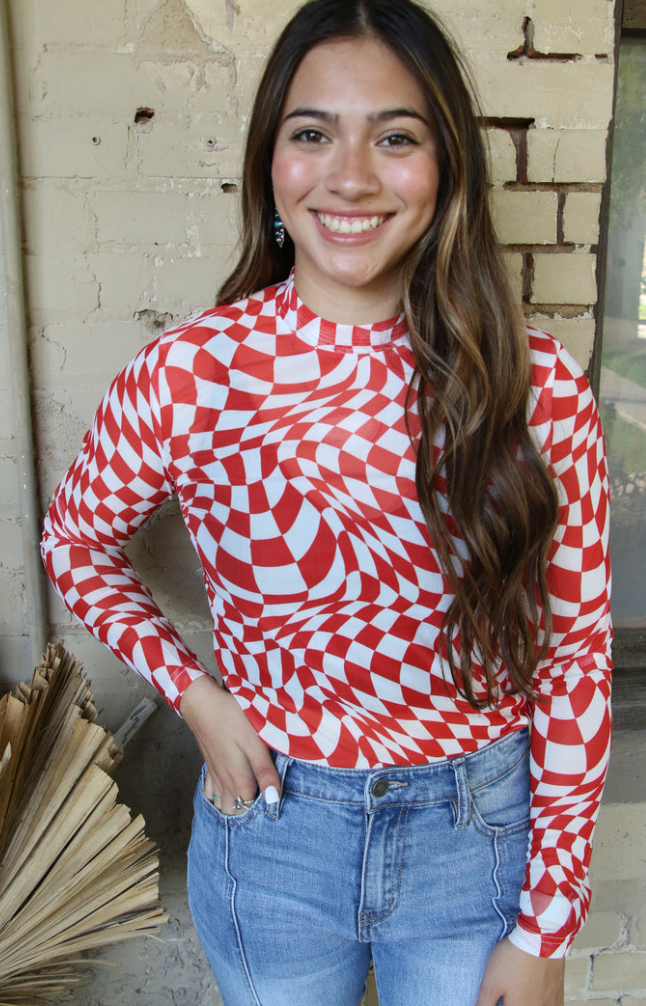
<point x="309" y="135"/>
<point x="398" y="140"/>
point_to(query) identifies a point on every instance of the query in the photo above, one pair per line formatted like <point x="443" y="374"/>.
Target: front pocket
<point x="214" y="811"/>
<point x="502" y="806"/>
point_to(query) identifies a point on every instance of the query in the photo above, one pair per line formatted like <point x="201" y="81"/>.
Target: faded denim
<point x="418" y="868"/>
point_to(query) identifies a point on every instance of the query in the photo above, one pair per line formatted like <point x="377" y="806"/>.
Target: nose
<point x="352" y="171"/>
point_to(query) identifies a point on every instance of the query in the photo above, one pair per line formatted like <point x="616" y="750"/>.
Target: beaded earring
<point x="279" y="230"/>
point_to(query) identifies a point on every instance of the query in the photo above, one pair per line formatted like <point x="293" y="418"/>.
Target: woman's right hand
<point x="237" y="761"/>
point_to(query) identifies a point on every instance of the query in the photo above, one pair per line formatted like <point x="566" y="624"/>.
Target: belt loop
<point x="463" y="809"/>
<point x="282" y="764"/>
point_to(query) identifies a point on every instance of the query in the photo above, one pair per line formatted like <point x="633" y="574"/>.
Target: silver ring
<point x="240" y="804"/>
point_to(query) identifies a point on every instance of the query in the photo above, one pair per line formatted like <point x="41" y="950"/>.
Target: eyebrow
<point x="373" y="118"/>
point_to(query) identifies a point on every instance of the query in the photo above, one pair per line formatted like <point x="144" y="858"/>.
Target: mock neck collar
<point x="343" y="338"/>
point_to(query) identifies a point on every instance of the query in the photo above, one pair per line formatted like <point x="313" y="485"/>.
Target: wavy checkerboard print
<point x="284" y="438"/>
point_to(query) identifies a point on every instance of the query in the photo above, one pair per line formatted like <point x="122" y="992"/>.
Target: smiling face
<point x="355" y="175"/>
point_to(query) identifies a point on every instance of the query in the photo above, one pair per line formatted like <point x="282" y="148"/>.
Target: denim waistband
<point x="404" y="784"/>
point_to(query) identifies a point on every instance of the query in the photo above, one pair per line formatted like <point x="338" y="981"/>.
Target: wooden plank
<point x="634" y="15"/>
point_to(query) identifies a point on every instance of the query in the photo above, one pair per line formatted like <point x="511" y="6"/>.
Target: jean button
<point x="380" y="788"/>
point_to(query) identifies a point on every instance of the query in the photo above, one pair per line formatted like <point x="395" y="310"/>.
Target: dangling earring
<point x="279" y="230"/>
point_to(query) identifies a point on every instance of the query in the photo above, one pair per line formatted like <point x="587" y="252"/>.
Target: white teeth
<point x="344" y="225"/>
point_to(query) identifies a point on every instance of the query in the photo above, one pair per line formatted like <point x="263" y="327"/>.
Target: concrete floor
<point x="157" y="778"/>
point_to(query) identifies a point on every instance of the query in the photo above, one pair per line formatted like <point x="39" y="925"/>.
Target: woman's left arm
<point x="571" y="721"/>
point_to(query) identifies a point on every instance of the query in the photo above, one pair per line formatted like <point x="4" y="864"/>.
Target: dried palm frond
<point x="76" y="872"/>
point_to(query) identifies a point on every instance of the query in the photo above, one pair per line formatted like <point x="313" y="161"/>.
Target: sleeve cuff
<point x="538" y="945"/>
<point x="178" y="681"/>
<point x="549" y="934"/>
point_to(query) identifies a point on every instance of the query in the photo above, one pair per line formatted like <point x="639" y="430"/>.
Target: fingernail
<point x="271" y="795"/>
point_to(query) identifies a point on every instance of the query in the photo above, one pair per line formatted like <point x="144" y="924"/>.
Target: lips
<point x="350" y="225"/>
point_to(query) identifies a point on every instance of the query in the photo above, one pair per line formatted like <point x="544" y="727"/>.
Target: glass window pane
<point x="623" y="373"/>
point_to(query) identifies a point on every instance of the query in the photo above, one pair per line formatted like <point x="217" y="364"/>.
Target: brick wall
<point x="131" y="116"/>
<point x="545" y="73"/>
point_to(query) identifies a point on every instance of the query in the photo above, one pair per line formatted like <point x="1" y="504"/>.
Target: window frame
<point x="629" y="649"/>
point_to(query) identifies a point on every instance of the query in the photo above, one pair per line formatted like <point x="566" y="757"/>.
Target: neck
<point x="347" y="306"/>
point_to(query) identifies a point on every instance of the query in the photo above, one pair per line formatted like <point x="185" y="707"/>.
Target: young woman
<point x="398" y="496"/>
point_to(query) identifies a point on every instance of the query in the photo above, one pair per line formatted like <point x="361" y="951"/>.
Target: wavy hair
<point x="479" y="476"/>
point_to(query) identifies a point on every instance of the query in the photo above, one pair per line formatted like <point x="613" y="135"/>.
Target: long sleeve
<point x="571" y="723"/>
<point x="115" y="484"/>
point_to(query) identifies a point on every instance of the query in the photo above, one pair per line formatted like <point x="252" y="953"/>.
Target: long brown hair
<point x="479" y="475"/>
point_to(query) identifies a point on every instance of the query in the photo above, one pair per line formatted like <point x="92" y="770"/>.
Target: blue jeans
<point x="418" y="868"/>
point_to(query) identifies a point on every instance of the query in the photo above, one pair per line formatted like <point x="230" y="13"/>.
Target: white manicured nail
<point x="271" y="795"/>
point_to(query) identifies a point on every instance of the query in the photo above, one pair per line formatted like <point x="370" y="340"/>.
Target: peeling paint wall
<point x="132" y="115"/>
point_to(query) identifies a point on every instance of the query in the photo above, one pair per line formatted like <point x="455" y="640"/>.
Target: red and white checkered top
<point x="284" y="438"/>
